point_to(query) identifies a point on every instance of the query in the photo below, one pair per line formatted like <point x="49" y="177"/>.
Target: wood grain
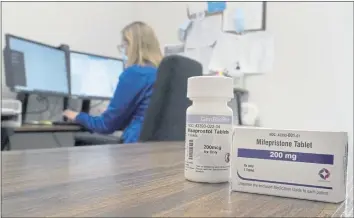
<point x="127" y="180"/>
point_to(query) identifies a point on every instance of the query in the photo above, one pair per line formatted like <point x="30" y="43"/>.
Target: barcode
<point x="190" y="153"/>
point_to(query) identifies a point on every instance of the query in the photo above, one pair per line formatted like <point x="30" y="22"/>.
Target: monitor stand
<point x="65" y="106"/>
<point x="66" y="48"/>
<point x="23" y="98"/>
<point x="85" y="107"/>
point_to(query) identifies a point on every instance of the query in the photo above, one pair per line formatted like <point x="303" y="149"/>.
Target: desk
<point x="6" y="117"/>
<point x="127" y="180"/>
<point x="6" y="131"/>
<point x="28" y="128"/>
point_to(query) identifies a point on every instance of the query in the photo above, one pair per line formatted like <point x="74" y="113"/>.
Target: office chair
<point x="165" y="118"/>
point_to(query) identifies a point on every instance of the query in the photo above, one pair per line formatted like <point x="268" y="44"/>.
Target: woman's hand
<point x="71" y="115"/>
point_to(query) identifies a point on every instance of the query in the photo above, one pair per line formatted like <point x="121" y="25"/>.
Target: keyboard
<point x="53" y="123"/>
<point x="64" y="123"/>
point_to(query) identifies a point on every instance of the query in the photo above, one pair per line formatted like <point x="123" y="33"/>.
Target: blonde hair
<point x="143" y="46"/>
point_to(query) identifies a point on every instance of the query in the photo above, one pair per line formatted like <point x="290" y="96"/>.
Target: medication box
<point x="298" y="164"/>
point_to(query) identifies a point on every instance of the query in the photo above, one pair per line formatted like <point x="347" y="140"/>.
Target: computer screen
<point x="37" y="67"/>
<point x="94" y="76"/>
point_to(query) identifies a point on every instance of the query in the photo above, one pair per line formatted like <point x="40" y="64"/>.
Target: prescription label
<point x="208" y="143"/>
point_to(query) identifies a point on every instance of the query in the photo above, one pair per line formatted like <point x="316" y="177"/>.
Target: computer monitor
<point x="94" y="76"/>
<point x="33" y="67"/>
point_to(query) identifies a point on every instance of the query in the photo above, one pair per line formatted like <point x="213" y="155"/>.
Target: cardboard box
<point x="290" y="163"/>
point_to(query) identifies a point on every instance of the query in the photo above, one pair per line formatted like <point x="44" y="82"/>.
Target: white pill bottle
<point x="208" y="129"/>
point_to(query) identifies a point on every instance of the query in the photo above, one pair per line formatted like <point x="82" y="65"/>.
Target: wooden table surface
<point x="127" y="180"/>
<point x="28" y="128"/>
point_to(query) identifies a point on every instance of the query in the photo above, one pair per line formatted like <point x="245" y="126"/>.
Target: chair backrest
<point x="165" y="118"/>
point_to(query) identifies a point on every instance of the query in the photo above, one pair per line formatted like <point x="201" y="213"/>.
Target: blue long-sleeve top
<point x="127" y="108"/>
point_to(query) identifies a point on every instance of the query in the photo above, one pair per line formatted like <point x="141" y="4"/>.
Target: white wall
<point x="85" y="26"/>
<point x="164" y="17"/>
<point x="311" y="86"/>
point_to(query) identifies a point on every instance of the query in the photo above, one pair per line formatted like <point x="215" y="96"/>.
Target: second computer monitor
<point x="93" y="76"/>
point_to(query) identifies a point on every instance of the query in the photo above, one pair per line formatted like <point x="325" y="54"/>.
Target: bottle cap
<point x="210" y="86"/>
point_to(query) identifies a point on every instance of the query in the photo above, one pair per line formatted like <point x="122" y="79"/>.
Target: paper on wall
<point x="214" y="7"/>
<point x="196" y="7"/>
<point x="226" y="52"/>
<point x="258" y="52"/>
<point x="252" y="12"/>
<point x="183" y="30"/>
<point x="204" y="32"/>
<point x="173" y="49"/>
<point x="239" y="21"/>
<point x="202" y="55"/>
<point x="252" y="53"/>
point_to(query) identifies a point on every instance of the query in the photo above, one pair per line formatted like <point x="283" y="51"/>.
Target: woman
<point x="132" y="95"/>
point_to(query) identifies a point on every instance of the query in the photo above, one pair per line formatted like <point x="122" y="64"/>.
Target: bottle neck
<point x="210" y="102"/>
